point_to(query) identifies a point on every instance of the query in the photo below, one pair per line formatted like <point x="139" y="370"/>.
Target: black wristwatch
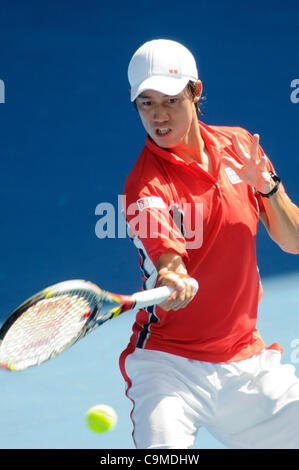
<point x="273" y="191"/>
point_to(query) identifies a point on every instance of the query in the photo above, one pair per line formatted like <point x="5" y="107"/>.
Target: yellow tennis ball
<point x="101" y="418"/>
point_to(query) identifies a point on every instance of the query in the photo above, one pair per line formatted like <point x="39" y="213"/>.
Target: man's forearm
<point x="171" y="261"/>
<point x="172" y="272"/>
<point x="282" y="221"/>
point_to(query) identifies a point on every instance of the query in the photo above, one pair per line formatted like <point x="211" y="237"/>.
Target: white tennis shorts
<point x="248" y="404"/>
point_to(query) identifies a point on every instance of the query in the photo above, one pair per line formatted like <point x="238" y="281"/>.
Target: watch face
<point x="274" y="177"/>
<point x="273" y="191"/>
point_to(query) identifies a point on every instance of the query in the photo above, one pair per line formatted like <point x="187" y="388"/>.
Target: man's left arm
<point x="281" y="216"/>
<point x="281" y="219"/>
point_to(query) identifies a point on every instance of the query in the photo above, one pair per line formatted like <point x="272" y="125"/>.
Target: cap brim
<point x="168" y="85"/>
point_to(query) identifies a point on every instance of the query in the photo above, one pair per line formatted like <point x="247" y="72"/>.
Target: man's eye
<point x="172" y="100"/>
<point x="146" y="103"/>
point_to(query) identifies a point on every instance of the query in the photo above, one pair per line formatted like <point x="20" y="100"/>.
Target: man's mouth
<point x="162" y="131"/>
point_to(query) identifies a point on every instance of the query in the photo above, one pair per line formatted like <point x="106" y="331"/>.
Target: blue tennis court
<point x="44" y="407"/>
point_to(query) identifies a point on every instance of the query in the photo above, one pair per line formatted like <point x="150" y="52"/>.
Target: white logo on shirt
<point x="152" y="201"/>
<point x="232" y="176"/>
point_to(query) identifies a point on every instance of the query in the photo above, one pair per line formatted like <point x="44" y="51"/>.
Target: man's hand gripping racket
<point x="55" y="318"/>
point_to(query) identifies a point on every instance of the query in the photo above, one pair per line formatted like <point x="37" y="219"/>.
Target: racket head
<point x="52" y="320"/>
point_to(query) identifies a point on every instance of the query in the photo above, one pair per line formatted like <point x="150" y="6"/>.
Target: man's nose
<point x="160" y="113"/>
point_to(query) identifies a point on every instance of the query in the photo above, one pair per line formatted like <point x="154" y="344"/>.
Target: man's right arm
<point x="172" y="272"/>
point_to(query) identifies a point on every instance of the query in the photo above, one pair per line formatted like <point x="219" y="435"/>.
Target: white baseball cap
<point x="161" y="65"/>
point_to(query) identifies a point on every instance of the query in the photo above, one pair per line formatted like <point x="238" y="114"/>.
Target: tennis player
<point x="193" y="201"/>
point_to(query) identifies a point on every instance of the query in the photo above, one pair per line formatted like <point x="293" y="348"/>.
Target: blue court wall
<point x="69" y="134"/>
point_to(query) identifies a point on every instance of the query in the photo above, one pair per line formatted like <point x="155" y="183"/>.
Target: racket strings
<point x="45" y="329"/>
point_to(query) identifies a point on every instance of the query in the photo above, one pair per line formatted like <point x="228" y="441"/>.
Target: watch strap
<point x="274" y="190"/>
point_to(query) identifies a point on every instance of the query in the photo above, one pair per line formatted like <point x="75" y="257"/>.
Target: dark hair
<point x="191" y="89"/>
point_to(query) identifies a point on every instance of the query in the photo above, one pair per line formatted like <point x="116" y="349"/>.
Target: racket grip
<point x="156" y="296"/>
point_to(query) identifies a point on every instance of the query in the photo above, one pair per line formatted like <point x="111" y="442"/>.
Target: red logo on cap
<point x="173" y="71"/>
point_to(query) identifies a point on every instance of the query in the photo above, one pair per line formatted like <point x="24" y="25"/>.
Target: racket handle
<point x="156" y="296"/>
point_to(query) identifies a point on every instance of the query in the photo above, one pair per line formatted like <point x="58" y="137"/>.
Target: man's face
<point x="167" y="119"/>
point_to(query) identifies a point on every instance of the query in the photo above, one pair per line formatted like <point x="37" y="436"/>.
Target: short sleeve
<point x="147" y="210"/>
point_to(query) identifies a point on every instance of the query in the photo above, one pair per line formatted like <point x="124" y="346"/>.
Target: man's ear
<point x="198" y="91"/>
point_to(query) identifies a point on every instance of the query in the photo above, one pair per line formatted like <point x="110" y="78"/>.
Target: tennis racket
<point x="57" y="317"/>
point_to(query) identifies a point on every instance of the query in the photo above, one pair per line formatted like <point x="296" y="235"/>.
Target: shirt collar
<point x="214" y="141"/>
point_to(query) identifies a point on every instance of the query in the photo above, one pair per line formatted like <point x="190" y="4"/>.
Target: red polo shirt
<point x="211" y="221"/>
